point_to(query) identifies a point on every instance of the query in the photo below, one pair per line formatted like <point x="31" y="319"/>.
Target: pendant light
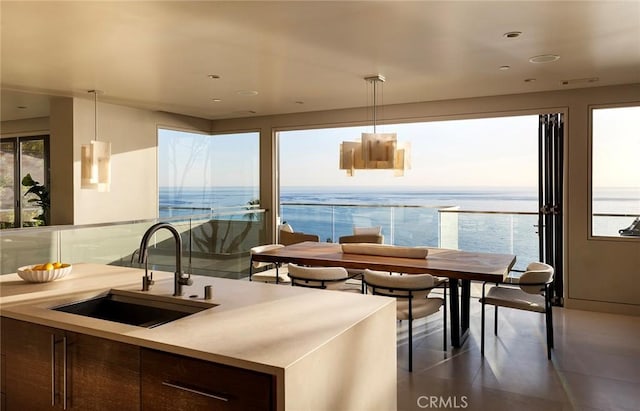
<point x="95" y="157"/>
<point x="375" y="151"/>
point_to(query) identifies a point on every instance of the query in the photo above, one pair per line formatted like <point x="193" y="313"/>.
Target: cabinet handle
<point x="206" y="394"/>
<point x="53" y="370"/>
<point x="64" y="372"/>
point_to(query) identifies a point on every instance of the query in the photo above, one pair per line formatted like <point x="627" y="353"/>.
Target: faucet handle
<point x="147" y="281"/>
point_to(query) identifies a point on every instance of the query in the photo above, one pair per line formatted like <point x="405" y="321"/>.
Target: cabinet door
<point x="102" y="374"/>
<point x="30" y="380"/>
<point x="173" y="382"/>
<point x="46" y="368"/>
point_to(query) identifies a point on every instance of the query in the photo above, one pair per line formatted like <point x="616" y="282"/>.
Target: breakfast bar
<point x="278" y="340"/>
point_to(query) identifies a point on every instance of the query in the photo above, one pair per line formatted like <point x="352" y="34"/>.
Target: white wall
<point x="134" y="169"/>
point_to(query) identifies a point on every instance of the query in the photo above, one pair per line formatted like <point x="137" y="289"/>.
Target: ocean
<point x="437" y="217"/>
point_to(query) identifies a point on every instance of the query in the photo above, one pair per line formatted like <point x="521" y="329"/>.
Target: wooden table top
<point x="464" y="265"/>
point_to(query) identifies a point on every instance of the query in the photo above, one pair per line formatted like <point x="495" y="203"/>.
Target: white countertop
<point x="264" y="327"/>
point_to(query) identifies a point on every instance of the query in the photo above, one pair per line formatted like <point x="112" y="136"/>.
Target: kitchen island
<point x="318" y="349"/>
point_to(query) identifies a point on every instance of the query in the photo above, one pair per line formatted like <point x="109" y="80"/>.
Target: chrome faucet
<point x="178" y="279"/>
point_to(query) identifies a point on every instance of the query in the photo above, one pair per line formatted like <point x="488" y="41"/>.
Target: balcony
<point x="215" y="243"/>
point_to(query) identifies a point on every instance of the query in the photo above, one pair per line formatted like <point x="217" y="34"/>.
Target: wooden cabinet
<point x="103" y="374"/>
<point x="45" y="368"/>
<point x="173" y="382"/>
<point x="30" y="380"/>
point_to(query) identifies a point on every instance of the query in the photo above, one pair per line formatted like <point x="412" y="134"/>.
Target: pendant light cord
<point x="374" y="80"/>
<point x="375" y="95"/>
<point x="95" y="115"/>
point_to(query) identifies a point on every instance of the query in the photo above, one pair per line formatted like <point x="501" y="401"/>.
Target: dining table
<point x="460" y="267"/>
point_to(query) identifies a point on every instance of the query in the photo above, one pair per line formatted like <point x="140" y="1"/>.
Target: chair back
<point x="318" y="277"/>
<point x="367" y="230"/>
<point x="288" y="238"/>
<point x="536" y="277"/>
<point x="399" y="286"/>
<point x="260" y="249"/>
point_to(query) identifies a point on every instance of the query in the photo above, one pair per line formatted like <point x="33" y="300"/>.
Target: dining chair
<point x="277" y="273"/>
<point x="361" y="238"/>
<point x="412" y="294"/>
<point x="363" y="235"/>
<point x="370" y="238"/>
<point x="289" y="238"/>
<point x="530" y="292"/>
<point x="330" y="278"/>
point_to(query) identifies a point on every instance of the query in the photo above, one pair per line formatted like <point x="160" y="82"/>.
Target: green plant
<point x="41" y="199"/>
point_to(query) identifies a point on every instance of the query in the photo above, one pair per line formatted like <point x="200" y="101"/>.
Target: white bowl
<point x="42" y="276"/>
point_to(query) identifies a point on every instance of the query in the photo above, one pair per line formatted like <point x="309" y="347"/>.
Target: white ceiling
<point x="157" y="55"/>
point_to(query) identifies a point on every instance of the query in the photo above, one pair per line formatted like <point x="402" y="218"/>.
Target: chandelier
<point x="95" y="157"/>
<point x="375" y="151"/>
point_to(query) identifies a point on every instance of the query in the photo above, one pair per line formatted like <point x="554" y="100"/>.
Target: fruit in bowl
<point x="42" y="273"/>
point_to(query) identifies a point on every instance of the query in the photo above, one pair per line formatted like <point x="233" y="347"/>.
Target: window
<point x="20" y="157"/>
<point x="615" y="178"/>
<point x="199" y="172"/>
<point x="472" y="185"/>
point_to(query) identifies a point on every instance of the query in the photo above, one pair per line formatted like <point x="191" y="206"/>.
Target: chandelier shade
<point x="375" y="151"/>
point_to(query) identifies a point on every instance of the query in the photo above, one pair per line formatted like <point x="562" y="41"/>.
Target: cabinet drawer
<point x="174" y="382"/>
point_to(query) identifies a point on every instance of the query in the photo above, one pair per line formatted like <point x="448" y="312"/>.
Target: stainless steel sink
<point x="142" y="310"/>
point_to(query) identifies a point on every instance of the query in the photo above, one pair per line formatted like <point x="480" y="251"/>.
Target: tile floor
<point x="595" y="364"/>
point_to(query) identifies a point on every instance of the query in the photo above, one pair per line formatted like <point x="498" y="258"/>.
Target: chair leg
<point x="548" y="316"/>
<point x="410" y="332"/>
<point x="277" y="273"/>
<point x="551" y="324"/>
<point x="482" y="324"/>
<point x="444" y="313"/>
<point x="410" y="344"/>
<point x="495" y="320"/>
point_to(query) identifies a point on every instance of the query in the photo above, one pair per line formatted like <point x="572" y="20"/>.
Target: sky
<point x="456" y="153"/>
<point x="616" y="147"/>
<point x="214" y="160"/>
<point x="488" y="152"/>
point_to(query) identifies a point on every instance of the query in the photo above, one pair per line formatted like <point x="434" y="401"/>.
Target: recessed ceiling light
<point x="529" y="80"/>
<point x="213" y="76"/>
<point x="512" y="34"/>
<point x="216" y="100"/>
<point x="544" y="58"/>
<point x="247" y="92"/>
<point x="504" y="67"/>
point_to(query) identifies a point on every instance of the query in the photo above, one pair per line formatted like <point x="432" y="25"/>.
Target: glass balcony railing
<point x="610" y="224"/>
<point x="434" y="226"/>
<point x="214" y="244"/>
